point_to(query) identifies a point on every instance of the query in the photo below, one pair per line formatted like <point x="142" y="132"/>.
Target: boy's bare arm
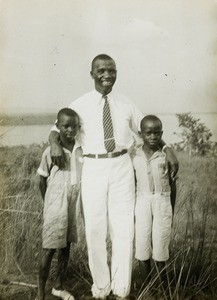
<point x="57" y="155"/>
<point x="173" y="194"/>
<point x="43" y="186"/>
<point x="172" y="162"/>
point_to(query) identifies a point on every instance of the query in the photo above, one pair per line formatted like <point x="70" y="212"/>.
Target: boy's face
<point x="68" y="127"/>
<point x="151" y="133"/>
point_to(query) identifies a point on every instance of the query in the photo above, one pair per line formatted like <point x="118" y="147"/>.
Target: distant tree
<point x="195" y="135"/>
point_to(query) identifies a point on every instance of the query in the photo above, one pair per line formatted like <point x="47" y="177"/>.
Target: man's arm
<point x="43" y="185"/>
<point x="56" y="151"/>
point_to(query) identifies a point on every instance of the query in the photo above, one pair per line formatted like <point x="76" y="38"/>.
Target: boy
<point x="155" y="200"/>
<point x="59" y="190"/>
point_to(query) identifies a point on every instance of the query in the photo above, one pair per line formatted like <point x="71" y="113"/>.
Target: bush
<point x="195" y="135"/>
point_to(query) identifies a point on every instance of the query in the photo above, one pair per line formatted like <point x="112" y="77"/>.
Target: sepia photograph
<point x="108" y="149"/>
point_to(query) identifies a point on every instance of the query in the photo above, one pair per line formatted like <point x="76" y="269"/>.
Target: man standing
<point x="108" y="188"/>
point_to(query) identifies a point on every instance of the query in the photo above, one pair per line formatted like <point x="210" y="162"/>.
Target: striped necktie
<point x="109" y="141"/>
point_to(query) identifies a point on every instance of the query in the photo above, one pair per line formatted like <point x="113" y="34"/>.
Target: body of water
<point x="24" y="135"/>
<point x="29" y="134"/>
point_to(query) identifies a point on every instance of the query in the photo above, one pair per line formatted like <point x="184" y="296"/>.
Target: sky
<point x="165" y="52"/>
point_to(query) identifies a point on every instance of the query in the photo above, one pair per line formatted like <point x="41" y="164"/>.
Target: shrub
<point x="195" y="135"/>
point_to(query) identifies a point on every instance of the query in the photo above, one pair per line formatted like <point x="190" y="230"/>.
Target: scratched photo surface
<point x="165" y="54"/>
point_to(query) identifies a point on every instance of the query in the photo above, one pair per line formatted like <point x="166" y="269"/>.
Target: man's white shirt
<point x="125" y="118"/>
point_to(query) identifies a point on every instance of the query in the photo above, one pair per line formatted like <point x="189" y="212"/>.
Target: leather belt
<point x="107" y="155"/>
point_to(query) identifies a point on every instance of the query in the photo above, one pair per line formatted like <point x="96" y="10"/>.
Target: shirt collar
<point x="99" y="96"/>
<point x="76" y="145"/>
<point x="157" y="153"/>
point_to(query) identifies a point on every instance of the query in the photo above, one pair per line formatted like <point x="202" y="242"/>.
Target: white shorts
<point x="153" y="217"/>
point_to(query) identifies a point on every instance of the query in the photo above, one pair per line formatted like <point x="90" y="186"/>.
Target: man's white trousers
<point x="108" y="195"/>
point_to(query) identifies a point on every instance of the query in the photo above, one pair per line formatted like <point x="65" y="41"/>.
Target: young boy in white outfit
<point x="154" y="206"/>
<point x="59" y="189"/>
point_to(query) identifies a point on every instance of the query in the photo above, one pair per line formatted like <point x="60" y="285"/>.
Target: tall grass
<point x="21" y="208"/>
<point x="192" y="267"/>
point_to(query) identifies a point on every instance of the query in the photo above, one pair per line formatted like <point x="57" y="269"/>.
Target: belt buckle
<point x="109" y="154"/>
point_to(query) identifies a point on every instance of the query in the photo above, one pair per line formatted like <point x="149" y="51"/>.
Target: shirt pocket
<point x="160" y="176"/>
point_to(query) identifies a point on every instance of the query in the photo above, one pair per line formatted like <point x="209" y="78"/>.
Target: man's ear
<point x="91" y="74"/>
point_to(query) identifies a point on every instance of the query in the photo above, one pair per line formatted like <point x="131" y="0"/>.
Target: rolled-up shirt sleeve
<point x="44" y="167"/>
<point x="137" y="116"/>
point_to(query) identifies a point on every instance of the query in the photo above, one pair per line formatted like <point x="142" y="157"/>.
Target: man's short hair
<point x="101" y="57"/>
<point x="68" y="112"/>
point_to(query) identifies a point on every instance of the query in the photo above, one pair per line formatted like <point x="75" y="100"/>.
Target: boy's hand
<point x="57" y="155"/>
<point x="172" y="163"/>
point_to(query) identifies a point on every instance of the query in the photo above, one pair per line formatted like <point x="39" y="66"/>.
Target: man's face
<point x="151" y="132"/>
<point x="104" y="74"/>
<point x="68" y="127"/>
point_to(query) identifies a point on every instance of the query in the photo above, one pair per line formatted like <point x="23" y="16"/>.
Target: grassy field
<point x="192" y="268"/>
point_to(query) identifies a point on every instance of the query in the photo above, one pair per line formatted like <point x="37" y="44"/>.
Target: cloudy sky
<point x="165" y="51"/>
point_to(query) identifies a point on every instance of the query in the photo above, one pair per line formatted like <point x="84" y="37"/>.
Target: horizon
<point x="169" y="120"/>
<point x="55" y="112"/>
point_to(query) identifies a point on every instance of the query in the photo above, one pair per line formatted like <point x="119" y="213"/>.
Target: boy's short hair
<point x="151" y="118"/>
<point x="68" y="112"/>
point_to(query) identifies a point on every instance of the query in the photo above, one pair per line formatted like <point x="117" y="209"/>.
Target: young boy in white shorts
<point x="154" y="204"/>
<point x="60" y="190"/>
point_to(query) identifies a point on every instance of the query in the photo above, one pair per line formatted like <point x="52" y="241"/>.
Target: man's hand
<point x="57" y="155"/>
<point x="172" y="163"/>
<point x="56" y="151"/>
